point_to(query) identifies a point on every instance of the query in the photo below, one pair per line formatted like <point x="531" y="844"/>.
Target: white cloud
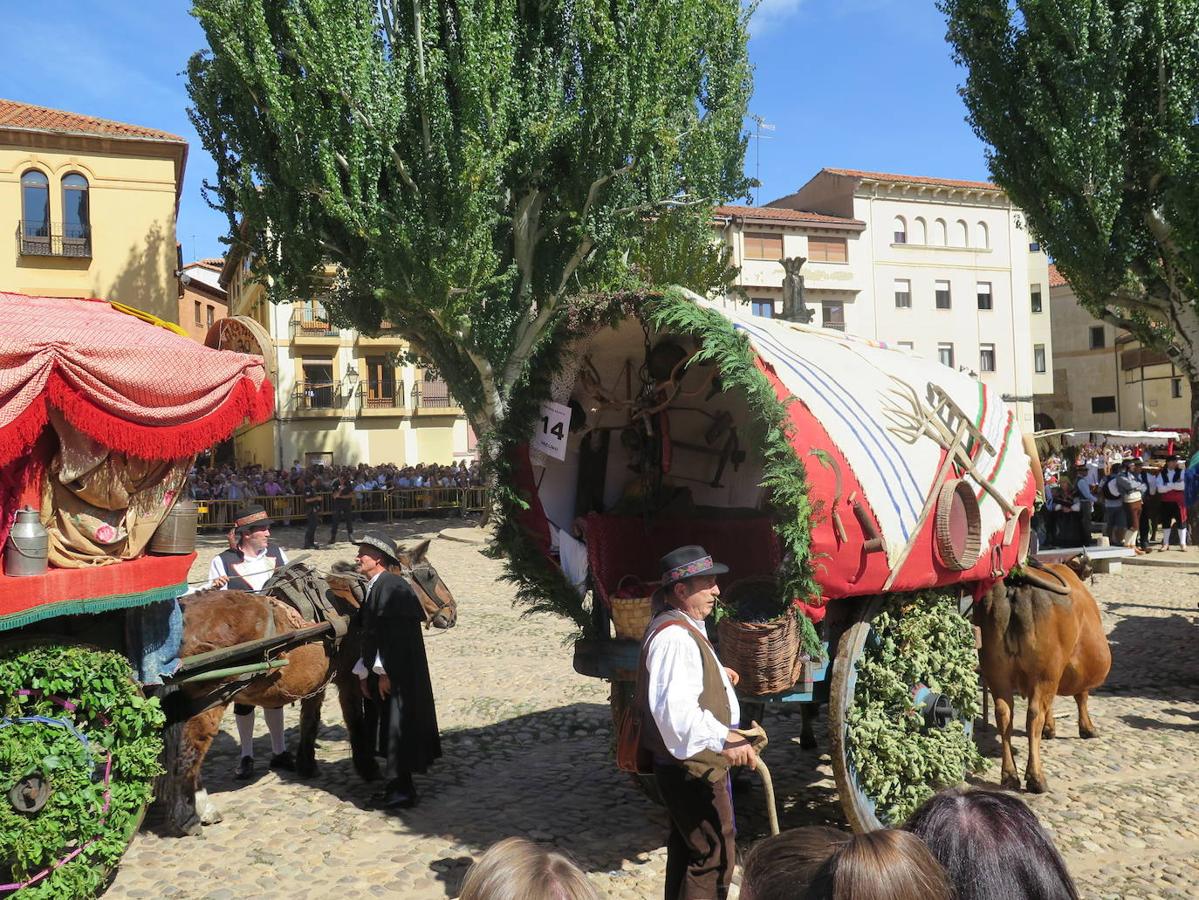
<point x="771" y="14"/>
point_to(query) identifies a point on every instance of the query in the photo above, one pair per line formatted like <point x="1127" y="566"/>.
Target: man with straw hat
<point x="688" y="709"/>
<point x="394" y="647"/>
<point x="246" y="566"/>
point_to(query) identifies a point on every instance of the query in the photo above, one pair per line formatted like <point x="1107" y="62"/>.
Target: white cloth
<point x="676" y="679"/>
<point x="572" y="553"/>
<point x="360" y="666"/>
<point x="255" y="569"/>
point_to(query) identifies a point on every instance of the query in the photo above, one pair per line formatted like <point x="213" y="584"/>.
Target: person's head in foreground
<point x="516" y="869"/>
<point x="781" y="867"/>
<point x="992" y="846"/>
<point x="880" y="865"/>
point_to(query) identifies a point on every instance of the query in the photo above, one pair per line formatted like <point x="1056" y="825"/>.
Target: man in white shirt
<point x="688" y="709"/>
<point x="1170" y="490"/>
<point x="247" y="567"/>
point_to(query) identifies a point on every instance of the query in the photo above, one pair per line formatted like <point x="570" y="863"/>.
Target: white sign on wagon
<point x="549" y="435"/>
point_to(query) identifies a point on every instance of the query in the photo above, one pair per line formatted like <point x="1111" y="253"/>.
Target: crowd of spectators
<point x="250" y="482"/>
<point x="962" y="844"/>
<point x="1127" y="491"/>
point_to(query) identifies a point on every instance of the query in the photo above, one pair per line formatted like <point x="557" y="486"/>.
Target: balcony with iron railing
<point x="307" y="329"/>
<point x="72" y="241"/>
<point x="382" y="398"/>
<point x="433" y="398"/>
<point x="322" y="398"/>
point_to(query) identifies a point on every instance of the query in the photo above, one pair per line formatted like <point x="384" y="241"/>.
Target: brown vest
<point x="712" y="698"/>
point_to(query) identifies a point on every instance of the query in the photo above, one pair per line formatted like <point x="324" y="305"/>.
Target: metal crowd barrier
<point x="378" y="506"/>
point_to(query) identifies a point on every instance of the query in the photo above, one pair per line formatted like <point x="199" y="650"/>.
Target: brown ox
<point x="1042" y="637"/>
<point x="219" y="619"/>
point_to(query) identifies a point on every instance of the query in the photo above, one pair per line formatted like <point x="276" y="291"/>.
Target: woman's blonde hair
<point x="516" y="869"/>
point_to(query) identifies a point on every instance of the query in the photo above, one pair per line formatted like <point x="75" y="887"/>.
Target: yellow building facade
<point x="91" y="206"/>
<point x="341" y="398"/>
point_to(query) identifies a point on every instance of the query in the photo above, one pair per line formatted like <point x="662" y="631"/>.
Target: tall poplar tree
<point x="469" y="166"/>
<point x="1090" y="111"/>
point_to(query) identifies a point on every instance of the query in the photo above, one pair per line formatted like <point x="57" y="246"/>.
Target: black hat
<point x="683" y="563"/>
<point x="1173" y="457"/>
<point x="377" y="540"/>
<point x="251" y="518"/>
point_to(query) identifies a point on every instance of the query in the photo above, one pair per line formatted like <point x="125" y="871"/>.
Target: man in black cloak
<point x="394" y="648"/>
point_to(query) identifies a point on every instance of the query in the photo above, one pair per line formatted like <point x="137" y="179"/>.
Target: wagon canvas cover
<point x="868" y="412"/>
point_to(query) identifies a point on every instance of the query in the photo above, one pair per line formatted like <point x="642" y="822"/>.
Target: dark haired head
<point x="782" y="866"/>
<point x="880" y="865"/>
<point x="992" y="846"/>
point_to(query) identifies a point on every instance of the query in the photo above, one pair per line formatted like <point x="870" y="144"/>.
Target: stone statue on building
<point x="794" y="307"/>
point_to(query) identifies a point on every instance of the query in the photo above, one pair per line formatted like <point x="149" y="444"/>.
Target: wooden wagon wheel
<point x="93" y="753"/>
<point x="856" y="643"/>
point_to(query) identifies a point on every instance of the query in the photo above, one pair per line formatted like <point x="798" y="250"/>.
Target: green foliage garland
<point x="917" y="639"/>
<point x="114" y="717"/>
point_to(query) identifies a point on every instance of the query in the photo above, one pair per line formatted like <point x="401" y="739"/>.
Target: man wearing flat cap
<point x="246" y="566"/>
<point x="688" y="708"/>
<point x="394" y="648"/>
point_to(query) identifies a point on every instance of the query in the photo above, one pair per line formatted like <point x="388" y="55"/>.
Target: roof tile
<point x="916" y="179"/>
<point x="782" y="214"/>
<point x="28" y="117"/>
<point x="1056" y="278"/>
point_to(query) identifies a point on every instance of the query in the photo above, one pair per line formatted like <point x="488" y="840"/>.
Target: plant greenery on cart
<point x="43" y="689"/>
<point x="917" y="638"/>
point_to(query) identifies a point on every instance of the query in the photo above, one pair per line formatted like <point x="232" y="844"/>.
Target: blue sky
<point x="864" y="84"/>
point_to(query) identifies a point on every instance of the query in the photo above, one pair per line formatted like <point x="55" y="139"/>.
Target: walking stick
<point x="771" y="811"/>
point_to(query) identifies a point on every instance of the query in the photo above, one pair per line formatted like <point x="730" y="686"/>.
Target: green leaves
<point x="471" y="167"/>
<point x="917" y="639"/>
<point x="115" y="719"/>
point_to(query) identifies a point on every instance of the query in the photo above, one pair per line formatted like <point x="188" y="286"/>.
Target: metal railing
<point x="310" y="395"/>
<point x="304" y="325"/>
<point x="47" y="239"/>
<point x="385" y="395"/>
<point x="432" y="395"/>
<point x="379" y="506"/>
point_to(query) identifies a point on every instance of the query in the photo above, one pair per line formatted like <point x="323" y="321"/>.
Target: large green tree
<point x="470" y="166"/>
<point x="1090" y="111"/>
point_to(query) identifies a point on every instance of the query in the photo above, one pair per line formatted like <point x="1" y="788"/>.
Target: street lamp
<point x="352" y="378"/>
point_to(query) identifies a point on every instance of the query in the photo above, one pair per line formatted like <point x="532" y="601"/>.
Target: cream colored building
<point x="944" y="268"/>
<point x="1104" y="378"/>
<point x="91" y="207"/>
<point x="341" y="398"/>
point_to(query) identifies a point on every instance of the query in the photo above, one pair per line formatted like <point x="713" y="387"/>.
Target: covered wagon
<point x="860" y="495"/>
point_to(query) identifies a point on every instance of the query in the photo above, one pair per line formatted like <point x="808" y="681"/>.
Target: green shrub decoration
<point x="917" y="639"/>
<point x="114" y="717"/>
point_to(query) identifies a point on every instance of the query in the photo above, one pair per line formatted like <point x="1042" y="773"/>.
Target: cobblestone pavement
<point x="526" y="744"/>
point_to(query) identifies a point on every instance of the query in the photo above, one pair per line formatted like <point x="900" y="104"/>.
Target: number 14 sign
<point x="550" y="434"/>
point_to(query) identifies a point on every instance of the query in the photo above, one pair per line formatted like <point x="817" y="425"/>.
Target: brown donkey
<point x="218" y="619"/>
<point x="1042" y="637"/>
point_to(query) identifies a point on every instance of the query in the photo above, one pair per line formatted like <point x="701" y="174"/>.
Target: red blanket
<point x="134" y="387"/>
<point x="630" y="545"/>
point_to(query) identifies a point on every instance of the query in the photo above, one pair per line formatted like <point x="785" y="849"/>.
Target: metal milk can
<point x="27" y="546"/>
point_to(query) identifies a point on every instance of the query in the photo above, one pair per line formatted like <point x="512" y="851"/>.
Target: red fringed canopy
<point x="134" y="387"/>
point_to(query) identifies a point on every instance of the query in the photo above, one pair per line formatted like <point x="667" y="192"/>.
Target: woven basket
<point x="766" y="654"/>
<point x="631" y="615"/>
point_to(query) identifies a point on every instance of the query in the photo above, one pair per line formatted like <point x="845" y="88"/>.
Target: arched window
<point x="961" y="234"/>
<point x="940" y="237"/>
<point x="35" y="205"/>
<point x="900" y="230"/>
<point x="984" y="236"/>
<point x="74" y="207"/>
<point x="919" y="231"/>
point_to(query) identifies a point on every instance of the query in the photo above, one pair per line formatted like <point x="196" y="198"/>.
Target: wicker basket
<point x="631" y="615"/>
<point x="766" y="654"/>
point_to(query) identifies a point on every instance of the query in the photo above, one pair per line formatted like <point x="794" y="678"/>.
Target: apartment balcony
<point x="313" y="332"/>
<point x="322" y="399"/>
<point x="388" y="337"/>
<point x="382" y="399"/>
<point x="49" y="239"/>
<point x="432" y="398"/>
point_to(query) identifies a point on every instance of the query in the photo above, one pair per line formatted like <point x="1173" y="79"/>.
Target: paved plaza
<point x="526" y="744"/>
